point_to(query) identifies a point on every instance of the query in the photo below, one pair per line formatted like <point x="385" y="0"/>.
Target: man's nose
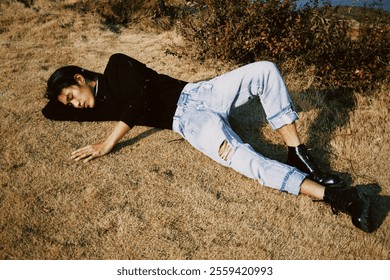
<point x="76" y="103"/>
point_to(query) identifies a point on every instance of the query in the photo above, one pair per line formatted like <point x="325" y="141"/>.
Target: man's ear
<point x="79" y="79"/>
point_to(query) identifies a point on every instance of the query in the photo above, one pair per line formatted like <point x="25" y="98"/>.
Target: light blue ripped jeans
<point x="202" y="119"/>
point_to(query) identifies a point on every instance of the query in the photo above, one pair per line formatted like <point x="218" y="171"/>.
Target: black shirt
<point x="128" y="91"/>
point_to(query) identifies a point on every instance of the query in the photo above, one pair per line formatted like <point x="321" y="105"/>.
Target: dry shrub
<point x="237" y="30"/>
<point x="312" y="37"/>
<point x="114" y="11"/>
<point x="341" y="60"/>
<point x="124" y="12"/>
<point x="27" y="3"/>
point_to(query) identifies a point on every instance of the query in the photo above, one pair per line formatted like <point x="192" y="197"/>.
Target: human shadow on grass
<point x="135" y="139"/>
<point x="335" y="107"/>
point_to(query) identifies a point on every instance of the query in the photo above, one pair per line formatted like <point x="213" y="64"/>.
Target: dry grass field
<point x="154" y="196"/>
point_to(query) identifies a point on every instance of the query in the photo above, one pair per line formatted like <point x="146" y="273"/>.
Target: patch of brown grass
<point x="154" y="197"/>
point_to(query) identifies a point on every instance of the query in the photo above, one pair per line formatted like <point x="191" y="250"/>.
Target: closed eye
<point x="69" y="98"/>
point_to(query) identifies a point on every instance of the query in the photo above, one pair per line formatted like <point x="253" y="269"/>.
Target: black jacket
<point x="128" y="91"/>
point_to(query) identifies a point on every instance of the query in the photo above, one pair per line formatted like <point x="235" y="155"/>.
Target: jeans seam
<point x="285" y="180"/>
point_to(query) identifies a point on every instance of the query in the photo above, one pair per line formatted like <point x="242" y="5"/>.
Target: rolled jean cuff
<point x="292" y="181"/>
<point x="286" y="116"/>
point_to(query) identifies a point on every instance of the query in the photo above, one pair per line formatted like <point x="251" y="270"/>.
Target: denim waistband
<point x="182" y="103"/>
<point x="191" y="92"/>
<point x="183" y="99"/>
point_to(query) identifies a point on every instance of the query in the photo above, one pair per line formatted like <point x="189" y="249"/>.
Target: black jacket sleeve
<point x="126" y="78"/>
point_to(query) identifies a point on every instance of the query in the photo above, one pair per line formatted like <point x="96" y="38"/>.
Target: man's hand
<point x="91" y="151"/>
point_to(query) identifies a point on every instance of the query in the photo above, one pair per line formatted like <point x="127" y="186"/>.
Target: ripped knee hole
<point x="225" y="150"/>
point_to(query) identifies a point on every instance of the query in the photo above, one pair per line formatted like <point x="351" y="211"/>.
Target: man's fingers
<point x="80" y="155"/>
<point x="89" y="158"/>
<point x="82" y="150"/>
<point x="88" y="153"/>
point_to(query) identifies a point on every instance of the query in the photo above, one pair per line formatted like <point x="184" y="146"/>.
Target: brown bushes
<point x="343" y="49"/>
<point x="124" y="12"/>
<point x="245" y="31"/>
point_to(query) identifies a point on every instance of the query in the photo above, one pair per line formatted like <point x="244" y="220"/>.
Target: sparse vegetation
<point x="312" y="37"/>
<point x="117" y="13"/>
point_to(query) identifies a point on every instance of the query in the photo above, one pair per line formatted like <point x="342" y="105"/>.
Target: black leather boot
<point x="300" y="158"/>
<point x="353" y="202"/>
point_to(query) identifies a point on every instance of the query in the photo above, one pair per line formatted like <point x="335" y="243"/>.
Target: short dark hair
<point x="64" y="77"/>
